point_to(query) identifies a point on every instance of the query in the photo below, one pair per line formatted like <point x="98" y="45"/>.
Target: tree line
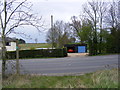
<point x="98" y="26"/>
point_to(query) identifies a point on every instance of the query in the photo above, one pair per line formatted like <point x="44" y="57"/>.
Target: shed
<point x="76" y="48"/>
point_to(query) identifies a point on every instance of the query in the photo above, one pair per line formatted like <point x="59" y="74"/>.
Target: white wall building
<point x="10" y="44"/>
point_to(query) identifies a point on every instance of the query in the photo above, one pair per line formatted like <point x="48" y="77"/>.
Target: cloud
<point x="57" y="0"/>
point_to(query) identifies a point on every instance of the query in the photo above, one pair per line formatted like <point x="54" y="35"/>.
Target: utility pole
<point x="17" y="58"/>
<point x="52" y="31"/>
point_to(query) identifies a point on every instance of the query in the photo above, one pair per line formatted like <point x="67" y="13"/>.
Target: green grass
<point x="34" y="45"/>
<point x="99" y="79"/>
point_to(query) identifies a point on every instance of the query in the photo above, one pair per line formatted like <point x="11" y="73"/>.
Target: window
<point x="7" y="43"/>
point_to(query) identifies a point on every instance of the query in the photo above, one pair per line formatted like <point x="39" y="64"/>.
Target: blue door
<point x="81" y="49"/>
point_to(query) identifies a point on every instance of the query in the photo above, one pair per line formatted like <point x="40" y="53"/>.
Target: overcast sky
<point x="60" y="9"/>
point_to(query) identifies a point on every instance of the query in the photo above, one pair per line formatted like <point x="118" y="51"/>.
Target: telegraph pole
<point x="52" y="30"/>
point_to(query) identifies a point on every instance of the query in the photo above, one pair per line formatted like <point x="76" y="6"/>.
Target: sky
<point x="60" y="9"/>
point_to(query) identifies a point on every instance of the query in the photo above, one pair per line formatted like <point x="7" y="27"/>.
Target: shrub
<point x="38" y="53"/>
<point x="65" y="52"/>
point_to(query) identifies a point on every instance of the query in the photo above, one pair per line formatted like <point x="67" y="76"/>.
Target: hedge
<point x="38" y="53"/>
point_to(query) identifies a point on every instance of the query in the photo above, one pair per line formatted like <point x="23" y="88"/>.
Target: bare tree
<point x="113" y="16"/>
<point x="77" y="25"/>
<point x="61" y="34"/>
<point x="13" y="14"/>
<point x="91" y="10"/>
<point x="102" y="9"/>
<point x="113" y="20"/>
<point x="52" y="37"/>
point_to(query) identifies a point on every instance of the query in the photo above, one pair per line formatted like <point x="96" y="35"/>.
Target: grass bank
<point x="99" y="79"/>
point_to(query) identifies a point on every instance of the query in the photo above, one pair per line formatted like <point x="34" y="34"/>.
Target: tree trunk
<point x="101" y="41"/>
<point x="95" y="37"/>
<point x="100" y="45"/>
<point x="90" y="47"/>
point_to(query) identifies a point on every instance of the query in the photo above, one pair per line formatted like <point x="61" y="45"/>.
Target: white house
<point x="10" y="44"/>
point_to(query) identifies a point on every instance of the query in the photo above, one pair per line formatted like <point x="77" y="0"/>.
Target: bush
<point x="65" y="52"/>
<point x="38" y="53"/>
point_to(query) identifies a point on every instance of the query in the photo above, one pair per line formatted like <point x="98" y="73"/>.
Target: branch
<point x="89" y="14"/>
<point x="1" y="21"/>
<point x="23" y="35"/>
<point x="15" y="10"/>
<point x="23" y="24"/>
<point x="5" y="13"/>
<point x="19" y="17"/>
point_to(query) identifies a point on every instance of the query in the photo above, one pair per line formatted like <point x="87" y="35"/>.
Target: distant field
<point x="34" y="45"/>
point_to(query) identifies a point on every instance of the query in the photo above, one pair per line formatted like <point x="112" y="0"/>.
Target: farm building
<point x="76" y="48"/>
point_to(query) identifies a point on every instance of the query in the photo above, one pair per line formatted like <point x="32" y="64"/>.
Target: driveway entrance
<point x="77" y="54"/>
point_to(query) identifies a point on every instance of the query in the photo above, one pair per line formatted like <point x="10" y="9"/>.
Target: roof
<point x="8" y="39"/>
<point x="73" y="45"/>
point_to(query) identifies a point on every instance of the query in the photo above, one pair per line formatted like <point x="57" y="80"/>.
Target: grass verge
<point x="99" y="79"/>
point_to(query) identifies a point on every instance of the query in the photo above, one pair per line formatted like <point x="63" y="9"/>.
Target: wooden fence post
<point x="17" y="58"/>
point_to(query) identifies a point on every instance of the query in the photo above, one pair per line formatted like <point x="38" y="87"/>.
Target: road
<point x="67" y="65"/>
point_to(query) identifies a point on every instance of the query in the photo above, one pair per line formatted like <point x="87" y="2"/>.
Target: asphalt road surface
<point x="67" y="65"/>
